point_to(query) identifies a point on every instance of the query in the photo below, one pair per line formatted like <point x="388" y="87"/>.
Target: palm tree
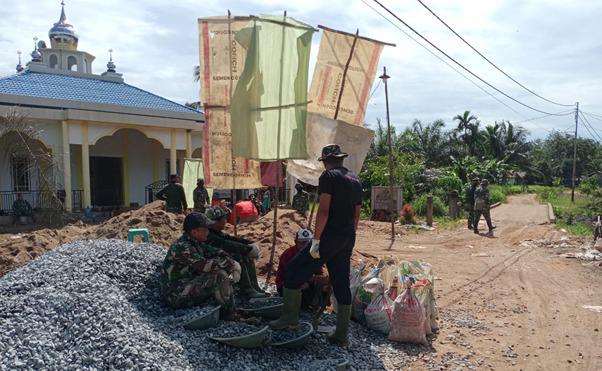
<point x="468" y="127"/>
<point x="429" y="141"/>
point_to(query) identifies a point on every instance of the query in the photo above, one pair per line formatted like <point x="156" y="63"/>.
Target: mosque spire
<point x="62" y="35"/>
<point x="20" y="66"/>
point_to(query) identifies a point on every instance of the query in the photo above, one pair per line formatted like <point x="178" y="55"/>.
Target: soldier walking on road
<point x="174" y="195"/>
<point x="481" y="206"/>
<point x="470" y="200"/>
<point x="200" y="196"/>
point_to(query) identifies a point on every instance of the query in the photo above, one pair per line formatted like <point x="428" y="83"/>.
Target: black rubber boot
<point x="246" y="289"/>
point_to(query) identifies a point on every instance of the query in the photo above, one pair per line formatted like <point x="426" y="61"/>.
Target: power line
<point x="490" y="62"/>
<point x="590" y="125"/>
<point x="447" y="64"/>
<point x="595" y="117"/>
<point x="562" y="113"/>
<point x="590" y="132"/>
<point x="374" y="91"/>
<point x="459" y="64"/>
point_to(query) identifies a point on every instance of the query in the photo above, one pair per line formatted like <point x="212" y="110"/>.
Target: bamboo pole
<point x="313" y="206"/>
<point x="233" y="162"/>
<point x="393" y="203"/>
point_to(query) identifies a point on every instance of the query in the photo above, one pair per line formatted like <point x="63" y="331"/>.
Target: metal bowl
<point x="205" y="321"/>
<point x="254" y="340"/>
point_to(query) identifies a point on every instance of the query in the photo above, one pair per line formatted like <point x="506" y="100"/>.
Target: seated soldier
<point x="194" y="272"/>
<point x="317" y="284"/>
<point x="243" y="251"/>
<point x="22" y="208"/>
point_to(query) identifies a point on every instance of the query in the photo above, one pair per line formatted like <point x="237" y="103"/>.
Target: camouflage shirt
<point x="470" y="190"/>
<point x="481" y="199"/>
<point x="200" y="197"/>
<point x="187" y="259"/>
<point x="21" y="207"/>
<point x="301" y="202"/>
<point x="237" y="247"/>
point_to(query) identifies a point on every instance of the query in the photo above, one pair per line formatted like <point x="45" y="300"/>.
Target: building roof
<point x="82" y="89"/>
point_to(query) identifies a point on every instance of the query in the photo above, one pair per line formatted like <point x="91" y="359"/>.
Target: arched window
<point x="72" y="63"/>
<point x="54" y="61"/>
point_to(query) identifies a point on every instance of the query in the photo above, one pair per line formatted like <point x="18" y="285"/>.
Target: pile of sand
<point x="164" y="228"/>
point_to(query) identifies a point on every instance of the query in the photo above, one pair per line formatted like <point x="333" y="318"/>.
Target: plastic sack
<point x="355" y="281"/>
<point x="407" y="319"/>
<point x="425" y="293"/>
<point x="378" y="312"/>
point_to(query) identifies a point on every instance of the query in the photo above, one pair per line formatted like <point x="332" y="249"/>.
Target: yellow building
<point x="112" y="141"/>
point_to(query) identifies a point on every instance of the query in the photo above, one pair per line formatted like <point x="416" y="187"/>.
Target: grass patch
<point x="448" y="223"/>
<point x="574" y="217"/>
<point x="579" y="229"/>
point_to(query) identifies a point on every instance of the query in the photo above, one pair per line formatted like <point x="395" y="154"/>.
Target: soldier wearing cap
<point x="200" y="196"/>
<point x="481" y="206"/>
<point x="174" y="195"/>
<point x="245" y="252"/>
<point x="470" y="200"/>
<point x="194" y="272"/>
<point x="316" y="284"/>
<point x="332" y="244"/>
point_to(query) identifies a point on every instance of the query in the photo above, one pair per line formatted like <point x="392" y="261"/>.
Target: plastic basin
<point x="342" y="365"/>
<point x="207" y="320"/>
<point x="271" y="311"/>
<point x="298" y="342"/>
<point x="254" y="340"/>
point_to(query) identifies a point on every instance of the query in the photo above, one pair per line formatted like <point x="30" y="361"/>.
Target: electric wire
<point x="458" y="63"/>
<point x="590" y="132"/>
<point x="591" y="115"/>
<point x="490" y="62"/>
<point x="590" y="125"/>
<point x="562" y="113"/>
<point x="374" y="91"/>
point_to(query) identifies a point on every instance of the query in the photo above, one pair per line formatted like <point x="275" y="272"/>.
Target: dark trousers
<point x="477" y="217"/>
<point x="335" y="252"/>
<point x="470" y="216"/>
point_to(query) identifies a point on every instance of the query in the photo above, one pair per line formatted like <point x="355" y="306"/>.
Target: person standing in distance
<point x="482" y="207"/>
<point x="200" y="196"/>
<point x="336" y="223"/>
<point x="173" y="195"/>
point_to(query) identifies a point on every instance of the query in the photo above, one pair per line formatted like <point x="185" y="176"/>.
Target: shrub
<point x="419" y="205"/>
<point x="407" y="215"/>
<point x="495" y="195"/>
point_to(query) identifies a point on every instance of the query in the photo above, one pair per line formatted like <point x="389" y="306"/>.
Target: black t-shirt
<point x="345" y="190"/>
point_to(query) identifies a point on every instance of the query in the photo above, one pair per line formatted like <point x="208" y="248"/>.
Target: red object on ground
<point x="244" y="209"/>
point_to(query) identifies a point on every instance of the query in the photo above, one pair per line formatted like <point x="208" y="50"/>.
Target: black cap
<point x="332" y="150"/>
<point x="173" y="177"/>
<point x="200" y="180"/>
<point x="195" y="220"/>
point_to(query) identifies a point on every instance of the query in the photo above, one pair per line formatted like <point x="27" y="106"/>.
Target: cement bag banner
<point x="193" y="171"/>
<point x="269" y="104"/>
<point x="335" y="49"/>
<point x="321" y="131"/>
<point x="219" y="51"/>
<point x="221" y="170"/>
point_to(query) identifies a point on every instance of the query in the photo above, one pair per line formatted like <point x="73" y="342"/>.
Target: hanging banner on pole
<point x="336" y="71"/>
<point x="193" y="171"/>
<point x="221" y="63"/>
<point x="354" y="140"/>
<point x="269" y="104"/>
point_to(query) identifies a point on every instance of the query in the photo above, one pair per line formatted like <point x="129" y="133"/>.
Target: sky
<point x="553" y="47"/>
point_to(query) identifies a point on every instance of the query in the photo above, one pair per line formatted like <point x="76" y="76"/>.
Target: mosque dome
<point x="62" y="35"/>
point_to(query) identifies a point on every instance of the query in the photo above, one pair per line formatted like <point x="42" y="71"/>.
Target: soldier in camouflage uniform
<point x="301" y="200"/>
<point x="174" y="195"/>
<point x="245" y="252"/>
<point x="481" y="206"/>
<point x="200" y="196"/>
<point x="470" y="200"/>
<point x="194" y="272"/>
<point x="22" y="208"/>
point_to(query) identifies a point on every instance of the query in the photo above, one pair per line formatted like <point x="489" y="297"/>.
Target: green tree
<point x="468" y="131"/>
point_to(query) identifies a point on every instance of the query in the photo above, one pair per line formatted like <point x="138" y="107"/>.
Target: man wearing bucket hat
<point x="332" y="244"/>
<point x="194" y="272"/>
<point x="200" y="196"/>
<point x="314" y="287"/>
<point x="245" y="252"/>
<point x="481" y="206"/>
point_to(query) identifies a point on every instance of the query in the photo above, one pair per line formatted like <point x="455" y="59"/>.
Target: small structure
<point x="381" y="202"/>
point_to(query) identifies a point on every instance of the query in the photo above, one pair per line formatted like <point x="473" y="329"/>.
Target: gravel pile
<point x="95" y="305"/>
<point x="280" y="336"/>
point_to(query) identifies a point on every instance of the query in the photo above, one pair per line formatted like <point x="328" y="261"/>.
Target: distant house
<point x="111" y="140"/>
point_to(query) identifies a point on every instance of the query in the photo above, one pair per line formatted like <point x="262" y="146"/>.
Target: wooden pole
<point x="429" y="211"/>
<point x="275" y="226"/>
<point x="393" y="201"/>
<point x="233" y="162"/>
<point x="311" y="213"/>
<point x="336" y="112"/>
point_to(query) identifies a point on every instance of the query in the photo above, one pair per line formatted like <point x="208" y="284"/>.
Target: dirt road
<point x="506" y="303"/>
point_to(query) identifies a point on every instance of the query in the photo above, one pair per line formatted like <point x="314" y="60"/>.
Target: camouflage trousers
<point x="477" y="217"/>
<point x="470" y="216"/>
<point x="202" y="289"/>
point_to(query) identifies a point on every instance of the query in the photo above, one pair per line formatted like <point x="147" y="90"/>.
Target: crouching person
<point x="194" y="272"/>
<point x="245" y="252"/>
<point x="314" y="291"/>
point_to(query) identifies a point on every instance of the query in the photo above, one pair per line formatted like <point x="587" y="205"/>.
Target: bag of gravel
<point x="425" y="292"/>
<point x="407" y="319"/>
<point x="355" y="281"/>
<point x="378" y="312"/>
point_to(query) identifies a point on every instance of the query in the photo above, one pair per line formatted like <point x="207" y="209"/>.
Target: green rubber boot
<point x="290" y="311"/>
<point x="253" y="278"/>
<point x="341" y="332"/>
<point x="245" y="286"/>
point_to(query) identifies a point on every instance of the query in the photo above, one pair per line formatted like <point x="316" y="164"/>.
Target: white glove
<point x="236" y="272"/>
<point x="314" y="250"/>
<point x="254" y="253"/>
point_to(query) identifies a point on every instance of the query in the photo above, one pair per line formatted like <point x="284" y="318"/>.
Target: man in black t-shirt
<point x="336" y="222"/>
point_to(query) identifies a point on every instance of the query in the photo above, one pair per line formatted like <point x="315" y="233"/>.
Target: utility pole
<point x="385" y="77"/>
<point x="575" y="153"/>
